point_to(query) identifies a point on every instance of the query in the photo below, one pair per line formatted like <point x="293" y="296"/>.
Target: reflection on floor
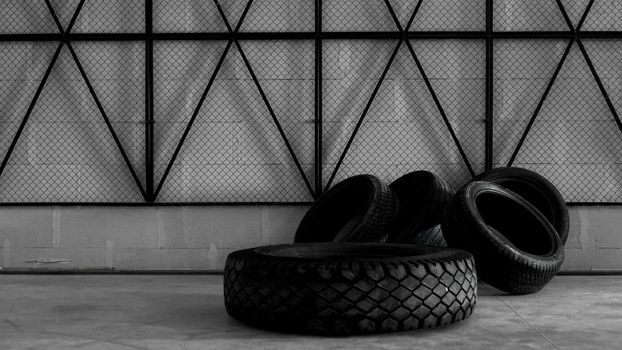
<point x="187" y="312"/>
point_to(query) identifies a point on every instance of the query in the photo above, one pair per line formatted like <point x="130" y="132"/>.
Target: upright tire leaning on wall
<point x="359" y="209"/>
<point x="349" y="288"/>
<point x="516" y="249"/>
<point x="537" y="190"/>
<point x="422" y="197"/>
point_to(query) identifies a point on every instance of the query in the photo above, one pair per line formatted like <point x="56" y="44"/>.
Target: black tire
<point x="359" y="209"/>
<point x="422" y="197"/>
<point x="516" y="249"/>
<point x="537" y="190"/>
<point x="349" y="288"/>
<point x="432" y="237"/>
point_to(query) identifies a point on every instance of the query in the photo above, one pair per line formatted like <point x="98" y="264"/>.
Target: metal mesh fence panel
<point x="523" y="70"/>
<point x="25" y="16"/>
<point x="187" y="101"/>
<point x="284" y="15"/>
<point x="605" y="15"/>
<point x="574" y="140"/>
<point x="403" y="129"/>
<point x="528" y="15"/>
<point x="447" y="15"/>
<point x="234" y="151"/>
<point x="190" y="16"/>
<point x="111" y="16"/>
<point x="352" y="69"/>
<point x="349" y="15"/>
<point x="65" y="152"/>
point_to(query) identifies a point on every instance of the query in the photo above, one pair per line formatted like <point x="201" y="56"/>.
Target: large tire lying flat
<point x="516" y="249"/>
<point x="422" y="197"/>
<point x="349" y="288"/>
<point x="535" y="189"/>
<point x="359" y="209"/>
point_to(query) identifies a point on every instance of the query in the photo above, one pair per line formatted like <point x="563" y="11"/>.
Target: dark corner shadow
<point x="486" y="290"/>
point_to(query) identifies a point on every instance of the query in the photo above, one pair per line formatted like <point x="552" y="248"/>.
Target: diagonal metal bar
<point x="223" y="16"/>
<point x="239" y="25"/>
<point x="612" y="108"/>
<point x="192" y="119"/>
<point x="490" y="117"/>
<point x="565" y="15"/>
<point x="275" y="119"/>
<point x="55" y="17"/>
<point x="149" y="122"/>
<point x="412" y="17"/>
<point x="394" y="16"/>
<point x="588" y="8"/>
<point x="107" y="121"/>
<point x="263" y="95"/>
<point x="364" y="114"/>
<point x="33" y="102"/>
<point x="541" y="103"/>
<point x="440" y="108"/>
<point x="75" y="16"/>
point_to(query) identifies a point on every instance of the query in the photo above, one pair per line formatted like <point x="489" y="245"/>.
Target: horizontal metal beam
<point x="209" y="204"/>
<point x="147" y="204"/>
<point x="225" y="36"/>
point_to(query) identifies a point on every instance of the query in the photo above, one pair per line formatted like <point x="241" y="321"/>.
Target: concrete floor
<point x="187" y="312"/>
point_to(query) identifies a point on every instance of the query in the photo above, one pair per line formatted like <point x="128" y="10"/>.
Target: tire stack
<point x="370" y="257"/>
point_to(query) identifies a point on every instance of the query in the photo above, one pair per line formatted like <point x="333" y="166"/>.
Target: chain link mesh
<point x="285" y="16"/>
<point x="65" y="153"/>
<point x="575" y="10"/>
<point x="64" y="9"/>
<point x="528" y="15"/>
<point x="25" y="16"/>
<point x="349" y="15"/>
<point x="111" y="16"/>
<point x="192" y="16"/>
<point x="404" y="130"/>
<point x="574" y="139"/>
<point x="446" y="15"/>
<point x="234" y="151"/>
<point x="604" y="15"/>
<point x="523" y="69"/>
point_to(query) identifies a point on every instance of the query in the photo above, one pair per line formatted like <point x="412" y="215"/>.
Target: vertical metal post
<point x="489" y="135"/>
<point x="318" y="99"/>
<point x="149" y="101"/>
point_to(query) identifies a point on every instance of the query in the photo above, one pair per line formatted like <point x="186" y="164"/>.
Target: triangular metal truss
<point x="64" y="32"/>
<point x="575" y="40"/>
<point x="403" y="35"/>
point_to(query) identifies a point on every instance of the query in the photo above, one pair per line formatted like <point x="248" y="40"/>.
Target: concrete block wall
<point x="200" y="238"/>
<point x="160" y="238"/>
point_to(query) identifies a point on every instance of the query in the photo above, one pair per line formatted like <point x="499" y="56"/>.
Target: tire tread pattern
<point x="352" y="296"/>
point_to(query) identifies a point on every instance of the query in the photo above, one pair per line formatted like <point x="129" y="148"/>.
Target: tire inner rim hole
<point x="532" y="194"/>
<point x="344" y="212"/>
<point x="516" y="223"/>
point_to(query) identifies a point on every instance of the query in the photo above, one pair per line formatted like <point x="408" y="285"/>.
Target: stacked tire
<point x="372" y="257"/>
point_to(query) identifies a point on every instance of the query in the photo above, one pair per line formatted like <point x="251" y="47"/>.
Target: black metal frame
<point x="233" y="36"/>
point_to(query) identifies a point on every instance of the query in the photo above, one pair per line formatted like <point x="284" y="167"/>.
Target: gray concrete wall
<point x="200" y="238"/>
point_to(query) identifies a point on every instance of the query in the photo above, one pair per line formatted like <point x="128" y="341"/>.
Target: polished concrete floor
<point x="187" y="312"/>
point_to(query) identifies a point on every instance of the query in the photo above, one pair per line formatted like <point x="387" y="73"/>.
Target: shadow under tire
<point x="349" y="288"/>
<point x="358" y="209"/>
<point x="422" y="197"/>
<point x="516" y="249"/>
<point x="537" y="190"/>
